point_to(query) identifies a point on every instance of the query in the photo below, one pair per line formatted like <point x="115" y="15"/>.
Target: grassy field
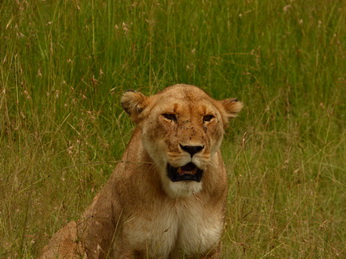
<point x="64" y="65"/>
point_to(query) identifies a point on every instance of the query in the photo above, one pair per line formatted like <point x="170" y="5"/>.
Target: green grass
<point x="64" y="65"/>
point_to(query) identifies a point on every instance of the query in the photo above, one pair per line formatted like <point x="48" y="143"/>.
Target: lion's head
<point x="182" y="129"/>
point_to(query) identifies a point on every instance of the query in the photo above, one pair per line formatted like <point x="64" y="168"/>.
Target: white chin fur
<point x="181" y="189"/>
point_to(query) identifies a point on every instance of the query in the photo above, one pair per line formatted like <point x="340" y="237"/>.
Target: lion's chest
<point x="183" y="227"/>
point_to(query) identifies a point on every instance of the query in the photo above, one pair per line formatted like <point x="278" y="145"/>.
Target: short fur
<point x="141" y="212"/>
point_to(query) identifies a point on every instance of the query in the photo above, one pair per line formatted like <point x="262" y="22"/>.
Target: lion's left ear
<point x="134" y="103"/>
<point x="231" y="107"/>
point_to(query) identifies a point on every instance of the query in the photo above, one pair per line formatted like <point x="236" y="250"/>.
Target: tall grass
<point x="64" y="65"/>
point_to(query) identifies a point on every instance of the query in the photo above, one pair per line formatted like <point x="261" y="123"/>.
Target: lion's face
<point x="182" y="129"/>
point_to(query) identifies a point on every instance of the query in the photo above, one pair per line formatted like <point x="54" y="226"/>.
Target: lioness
<point x="167" y="196"/>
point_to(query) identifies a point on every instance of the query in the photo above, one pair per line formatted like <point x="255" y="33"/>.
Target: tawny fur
<point x="140" y="212"/>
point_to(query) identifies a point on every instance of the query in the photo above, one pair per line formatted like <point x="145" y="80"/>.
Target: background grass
<point x="64" y="65"/>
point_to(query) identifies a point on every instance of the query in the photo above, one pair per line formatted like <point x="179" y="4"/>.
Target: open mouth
<point x="188" y="172"/>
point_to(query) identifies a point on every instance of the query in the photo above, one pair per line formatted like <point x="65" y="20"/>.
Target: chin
<point x="182" y="182"/>
<point x="182" y="189"/>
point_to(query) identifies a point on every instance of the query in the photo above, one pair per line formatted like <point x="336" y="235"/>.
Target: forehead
<point x="180" y="97"/>
<point x="184" y="92"/>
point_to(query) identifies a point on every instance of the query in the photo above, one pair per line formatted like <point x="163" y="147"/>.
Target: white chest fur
<point x="186" y="226"/>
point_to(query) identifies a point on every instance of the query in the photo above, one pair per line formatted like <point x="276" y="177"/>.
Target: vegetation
<point x="64" y="65"/>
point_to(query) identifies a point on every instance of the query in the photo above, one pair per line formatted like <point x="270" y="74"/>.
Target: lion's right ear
<point x="134" y="103"/>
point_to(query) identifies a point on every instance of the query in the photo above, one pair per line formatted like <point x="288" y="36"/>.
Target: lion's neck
<point x="143" y="171"/>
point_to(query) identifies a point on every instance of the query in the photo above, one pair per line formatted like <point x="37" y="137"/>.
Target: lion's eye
<point x="169" y="116"/>
<point x="208" y="118"/>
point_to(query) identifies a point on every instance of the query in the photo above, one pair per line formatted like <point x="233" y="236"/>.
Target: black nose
<point x="191" y="149"/>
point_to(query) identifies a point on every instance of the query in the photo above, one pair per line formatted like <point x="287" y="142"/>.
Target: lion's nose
<point x="191" y="149"/>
